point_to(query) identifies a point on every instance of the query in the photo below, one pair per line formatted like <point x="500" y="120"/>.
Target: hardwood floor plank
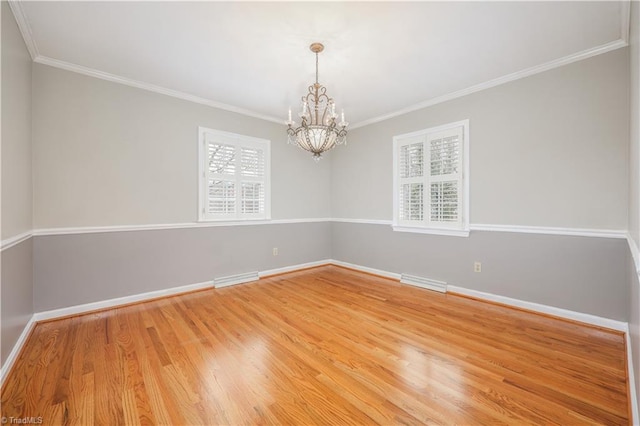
<point x="321" y="346"/>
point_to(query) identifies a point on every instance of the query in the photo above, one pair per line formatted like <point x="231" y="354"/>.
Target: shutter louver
<point x="222" y="159"/>
<point x="411" y="158"/>
<point x="222" y="197"/>
<point x="252" y="167"/>
<point x="444" y="162"/>
<point x="445" y="154"/>
<point x="251" y="162"/>
<point x="444" y="201"/>
<point x="252" y="198"/>
<point x="221" y="182"/>
<point x="411" y="201"/>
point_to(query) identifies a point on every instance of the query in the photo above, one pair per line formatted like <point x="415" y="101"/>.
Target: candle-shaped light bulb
<point x="289" y="114"/>
<point x="343" y="115"/>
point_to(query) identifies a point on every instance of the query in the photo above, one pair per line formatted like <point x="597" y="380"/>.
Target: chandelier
<point x="319" y="131"/>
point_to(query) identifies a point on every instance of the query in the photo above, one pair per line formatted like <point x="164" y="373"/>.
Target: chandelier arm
<point x="325" y="101"/>
<point x="321" y="102"/>
<point x="308" y="100"/>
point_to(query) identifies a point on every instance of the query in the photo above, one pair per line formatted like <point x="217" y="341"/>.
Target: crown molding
<point x="27" y="35"/>
<point x="585" y="54"/>
<point x="25" y="28"/>
<point x="68" y="66"/>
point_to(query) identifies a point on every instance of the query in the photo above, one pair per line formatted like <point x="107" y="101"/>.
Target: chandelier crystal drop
<point x="319" y="131"/>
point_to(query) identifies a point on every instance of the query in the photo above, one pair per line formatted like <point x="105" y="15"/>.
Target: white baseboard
<point x="13" y="355"/>
<point x="276" y="271"/>
<point x="236" y="279"/>
<point x="537" y="307"/>
<point x="422" y="282"/>
<point x="562" y="313"/>
<point x="120" y="301"/>
<point x="632" y="382"/>
<point x="112" y="303"/>
<point x="544" y="309"/>
<point x="385" y="274"/>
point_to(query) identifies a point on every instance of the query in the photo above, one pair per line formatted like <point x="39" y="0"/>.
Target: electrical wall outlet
<point x="275" y="251"/>
<point x="477" y="267"/>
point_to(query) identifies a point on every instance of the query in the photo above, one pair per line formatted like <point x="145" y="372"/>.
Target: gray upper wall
<point x="546" y="150"/>
<point x="17" y="194"/>
<point x="109" y="154"/>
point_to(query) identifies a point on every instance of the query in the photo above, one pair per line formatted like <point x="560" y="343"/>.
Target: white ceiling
<point x="380" y="59"/>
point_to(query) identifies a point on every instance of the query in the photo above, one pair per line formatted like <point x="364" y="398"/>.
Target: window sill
<point x="432" y="231"/>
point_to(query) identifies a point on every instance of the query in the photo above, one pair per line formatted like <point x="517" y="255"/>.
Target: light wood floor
<point x="322" y="346"/>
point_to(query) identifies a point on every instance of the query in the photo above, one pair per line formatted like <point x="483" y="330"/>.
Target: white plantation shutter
<point x="445" y="180"/>
<point x="429" y="173"/>
<point x="411" y="159"/>
<point x="252" y="196"/>
<point x="221" y="185"/>
<point x="234" y="176"/>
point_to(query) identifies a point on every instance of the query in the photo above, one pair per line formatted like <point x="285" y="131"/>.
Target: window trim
<point x="463" y="230"/>
<point x="202" y="185"/>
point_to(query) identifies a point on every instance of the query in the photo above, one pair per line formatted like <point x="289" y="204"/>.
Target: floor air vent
<point x="235" y="279"/>
<point x="421" y="282"/>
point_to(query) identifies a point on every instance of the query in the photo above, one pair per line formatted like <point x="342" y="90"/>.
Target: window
<point x="431" y="180"/>
<point x="234" y="176"/>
